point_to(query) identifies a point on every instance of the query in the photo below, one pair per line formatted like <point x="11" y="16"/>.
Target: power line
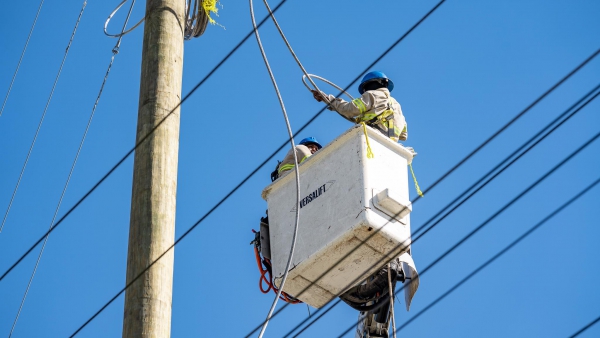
<point x="514" y="153"/>
<point x="456" y="166"/>
<point x="520" y="149"/>
<point x="296" y="166"/>
<point x="283" y="145"/>
<point x="43" y="114"/>
<point x="501" y="210"/>
<point x="244" y="180"/>
<point x="585" y="328"/>
<point x="115" y="51"/>
<point x="500" y="253"/>
<point x="256" y="170"/>
<point x="95" y="186"/>
<point x="22" y="55"/>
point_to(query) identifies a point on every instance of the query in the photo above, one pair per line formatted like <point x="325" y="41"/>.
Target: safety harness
<point x="383" y="121"/>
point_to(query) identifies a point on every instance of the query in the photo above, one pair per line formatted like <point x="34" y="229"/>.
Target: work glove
<point x="317" y="95"/>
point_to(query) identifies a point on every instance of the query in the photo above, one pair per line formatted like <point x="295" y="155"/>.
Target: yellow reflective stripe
<point x="367" y="117"/>
<point x="405" y="128"/>
<point x="286" y="167"/>
<point x="360" y="105"/>
<point x="305" y="157"/>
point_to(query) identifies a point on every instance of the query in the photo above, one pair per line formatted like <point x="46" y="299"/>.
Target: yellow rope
<point x="369" y="151"/>
<point x="210" y="6"/>
<point x="415" y="179"/>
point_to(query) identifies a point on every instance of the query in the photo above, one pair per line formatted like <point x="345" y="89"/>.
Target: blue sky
<point x="460" y="76"/>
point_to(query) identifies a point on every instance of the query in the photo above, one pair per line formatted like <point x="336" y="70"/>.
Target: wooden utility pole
<point x="152" y="224"/>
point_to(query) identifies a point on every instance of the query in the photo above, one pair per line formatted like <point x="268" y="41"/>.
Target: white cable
<point x="296" y="170"/>
<point x="325" y="99"/>
<point x="123" y="31"/>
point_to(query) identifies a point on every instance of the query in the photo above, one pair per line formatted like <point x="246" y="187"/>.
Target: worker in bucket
<point x="304" y="150"/>
<point x="375" y="106"/>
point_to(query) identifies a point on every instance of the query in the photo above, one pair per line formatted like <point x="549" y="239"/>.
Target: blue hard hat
<point x="312" y="140"/>
<point x="374" y="76"/>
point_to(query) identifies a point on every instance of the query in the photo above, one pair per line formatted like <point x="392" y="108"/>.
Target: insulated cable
<point x="196" y="19"/>
<point x="228" y="194"/>
<point x="585" y="327"/>
<point x="325" y="99"/>
<point x="447" y="173"/>
<point x="296" y="170"/>
<point x="123" y="32"/>
<point x="521" y="149"/>
<point x="12" y="198"/>
<point x="253" y="172"/>
<point x="497" y="213"/>
<point x="243" y="181"/>
<point x="195" y="24"/>
<point x="118" y="164"/>
<point x="115" y="51"/>
<point x="22" y="55"/>
<point x="500" y="253"/>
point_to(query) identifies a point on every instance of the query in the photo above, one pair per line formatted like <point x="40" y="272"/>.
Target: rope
<point x="12" y="198"/>
<point x="369" y="151"/>
<point x="21" y="58"/>
<point x="115" y="52"/>
<point x="415" y="180"/>
<point x="296" y="169"/>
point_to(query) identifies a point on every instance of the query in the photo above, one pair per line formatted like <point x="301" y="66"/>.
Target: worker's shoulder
<point x="380" y="93"/>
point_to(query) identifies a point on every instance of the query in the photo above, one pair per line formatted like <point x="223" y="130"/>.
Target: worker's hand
<point x="318" y="96"/>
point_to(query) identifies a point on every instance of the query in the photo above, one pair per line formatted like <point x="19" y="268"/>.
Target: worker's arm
<point x="302" y="152"/>
<point x="348" y="109"/>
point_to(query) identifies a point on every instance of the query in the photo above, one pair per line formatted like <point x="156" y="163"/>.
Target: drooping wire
<point x="592" y="323"/>
<point x="12" y="198"/>
<point x="497" y="213"/>
<point x="520" y="150"/>
<point x="230" y="192"/>
<point x="115" y="51"/>
<point x="22" y="55"/>
<point x="126" y="31"/>
<point x="118" y="164"/>
<point x="499" y="254"/>
<point x="242" y="182"/>
<point x="296" y="170"/>
<point x="456" y="166"/>
<point x="306" y="75"/>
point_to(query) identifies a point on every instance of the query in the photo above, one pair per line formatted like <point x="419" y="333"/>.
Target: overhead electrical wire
<point x="583" y="329"/>
<point x="115" y="51"/>
<point x="520" y="149"/>
<point x="296" y="172"/>
<point x="262" y="164"/>
<point x="22" y="55"/>
<point x="497" y="213"/>
<point x="499" y="254"/>
<point x="451" y="170"/>
<point x="12" y="198"/>
<point x="241" y="183"/>
<point x="118" y="164"/>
